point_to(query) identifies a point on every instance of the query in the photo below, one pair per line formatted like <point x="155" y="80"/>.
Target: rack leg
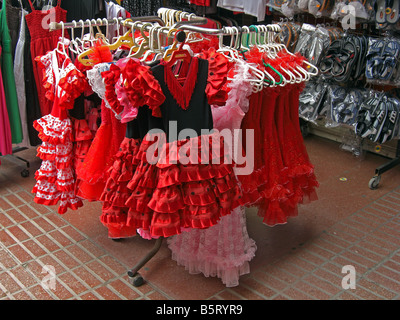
<point x="374" y="182"/>
<point x="24" y="172"/>
<point x="133" y="273"/>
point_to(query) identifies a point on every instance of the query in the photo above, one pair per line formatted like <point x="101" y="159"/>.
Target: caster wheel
<point x="25" y="173"/>
<point x="137" y="280"/>
<point x="374" y="182"/>
<point x="117" y="239"/>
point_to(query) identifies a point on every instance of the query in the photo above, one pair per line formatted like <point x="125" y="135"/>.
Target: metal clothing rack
<point x="142" y="24"/>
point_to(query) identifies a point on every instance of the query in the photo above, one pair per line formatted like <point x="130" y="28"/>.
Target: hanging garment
<point x="139" y="8"/>
<point x="115" y="212"/>
<point x="5" y="130"/>
<point x="114" y="11"/>
<point x="13" y="22"/>
<point x="173" y="194"/>
<point x="55" y="179"/>
<point x="223" y="250"/>
<point x="8" y="78"/>
<point x="20" y="81"/>
<point x="86" y="9"/>
<point x="31" y="94"/>
<point x="42" y="41"/>
<point x="283" y="176"/>
<point x="254" y="8"/>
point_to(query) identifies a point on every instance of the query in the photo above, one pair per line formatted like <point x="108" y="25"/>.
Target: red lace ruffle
<point x="142" y="88"/>
<point x="167" y="195"/>
<point x="218" y="68"/>
<point x="72" y="81"/>
<point x="48" y="81"/>
<point x="73" y="84"/>
<point x="111" y="78"/>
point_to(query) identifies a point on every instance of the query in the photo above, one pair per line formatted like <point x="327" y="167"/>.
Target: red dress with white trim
<point x="55" y="179"/>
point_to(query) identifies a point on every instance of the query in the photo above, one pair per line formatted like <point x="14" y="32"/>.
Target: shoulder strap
<point x="59" y="3"/>
<point x="32" y="7"/>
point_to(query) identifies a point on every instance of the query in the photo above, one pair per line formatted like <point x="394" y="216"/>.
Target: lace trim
<point x="96" y="81"/>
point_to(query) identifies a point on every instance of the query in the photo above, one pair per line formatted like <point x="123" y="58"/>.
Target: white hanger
<point x="62" y="41"/>
<point x="73" y="45"/>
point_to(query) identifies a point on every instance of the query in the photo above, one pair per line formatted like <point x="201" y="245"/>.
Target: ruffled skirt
<point x="115" y="213"/>
<point x="55" y="179"/>
<point x="222" y="251"/>
<point x="170" y="191"/>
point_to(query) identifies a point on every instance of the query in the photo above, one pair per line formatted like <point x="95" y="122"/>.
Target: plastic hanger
<point x="180" y="53"/>
<point x="233" y="55"/>
<point x="62" y="41"/>
<point x="73" y="45"/>
<point x="151" y="42"/>
<point x="173" y="47"/>
<point x="137" y="52"/>
<point x="100" y="34"/>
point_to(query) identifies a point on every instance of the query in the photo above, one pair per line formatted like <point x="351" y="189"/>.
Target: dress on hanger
<point x="5" y="130"/>
<point x="8" y="78"/>
<point x="283" y="176"/>
<point x="31" y="93"/>
<point x="42" y="41"/>
<point x="174" y="189"/>
<point x="20" y="81"/>
<point x="144" y="92"/>
<point x="13" y="22"/>
<point x="93" y="173"/>
<point x="55" y="179"/>
<point x="114" y="10"/>
<point x="223" y="250"/>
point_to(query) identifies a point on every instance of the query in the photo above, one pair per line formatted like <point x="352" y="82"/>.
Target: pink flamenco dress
<point x="55" y="179"/>
<point x="225" y="249"/>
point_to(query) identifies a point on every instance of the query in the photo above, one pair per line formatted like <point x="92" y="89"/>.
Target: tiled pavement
<point x="349" y="225"/>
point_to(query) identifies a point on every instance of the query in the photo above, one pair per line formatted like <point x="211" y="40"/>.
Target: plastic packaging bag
<point x="311" y="99"/>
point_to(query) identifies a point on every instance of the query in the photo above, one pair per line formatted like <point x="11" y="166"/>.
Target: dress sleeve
<point x="73" y="83"/>
<point x="111" y="78"/>
<point x="218" y="68"/>
<point x="48" y="82"/>
<point x="142" y="88"/>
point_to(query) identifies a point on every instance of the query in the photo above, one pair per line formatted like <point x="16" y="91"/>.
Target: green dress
<point x="7" y="69"/>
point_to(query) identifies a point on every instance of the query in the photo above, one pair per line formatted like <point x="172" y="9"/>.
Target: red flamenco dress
<point x="55" y="180"/>
<point x="94" y="171"/>
<point x="142" y="92"/>
<point x="283" y="176"/>
<point x="184" y="177"/>
<point x="42" y="41"/>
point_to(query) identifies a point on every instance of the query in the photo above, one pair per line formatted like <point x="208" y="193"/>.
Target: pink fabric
<point x="225" y="249"/>
<point x="5" y="130"/>
<point x="129" y="112"/>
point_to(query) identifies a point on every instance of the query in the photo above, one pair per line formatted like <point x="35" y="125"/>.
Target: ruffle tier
<point x="82" y="139"/>
<point x="116" y="193"/>
<point x="218" y="69"/>
<point x="55" y="179"/>
<point x="168" y="196"/>
<point x="72" y="82"/>
<point x="222" y="251"/>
